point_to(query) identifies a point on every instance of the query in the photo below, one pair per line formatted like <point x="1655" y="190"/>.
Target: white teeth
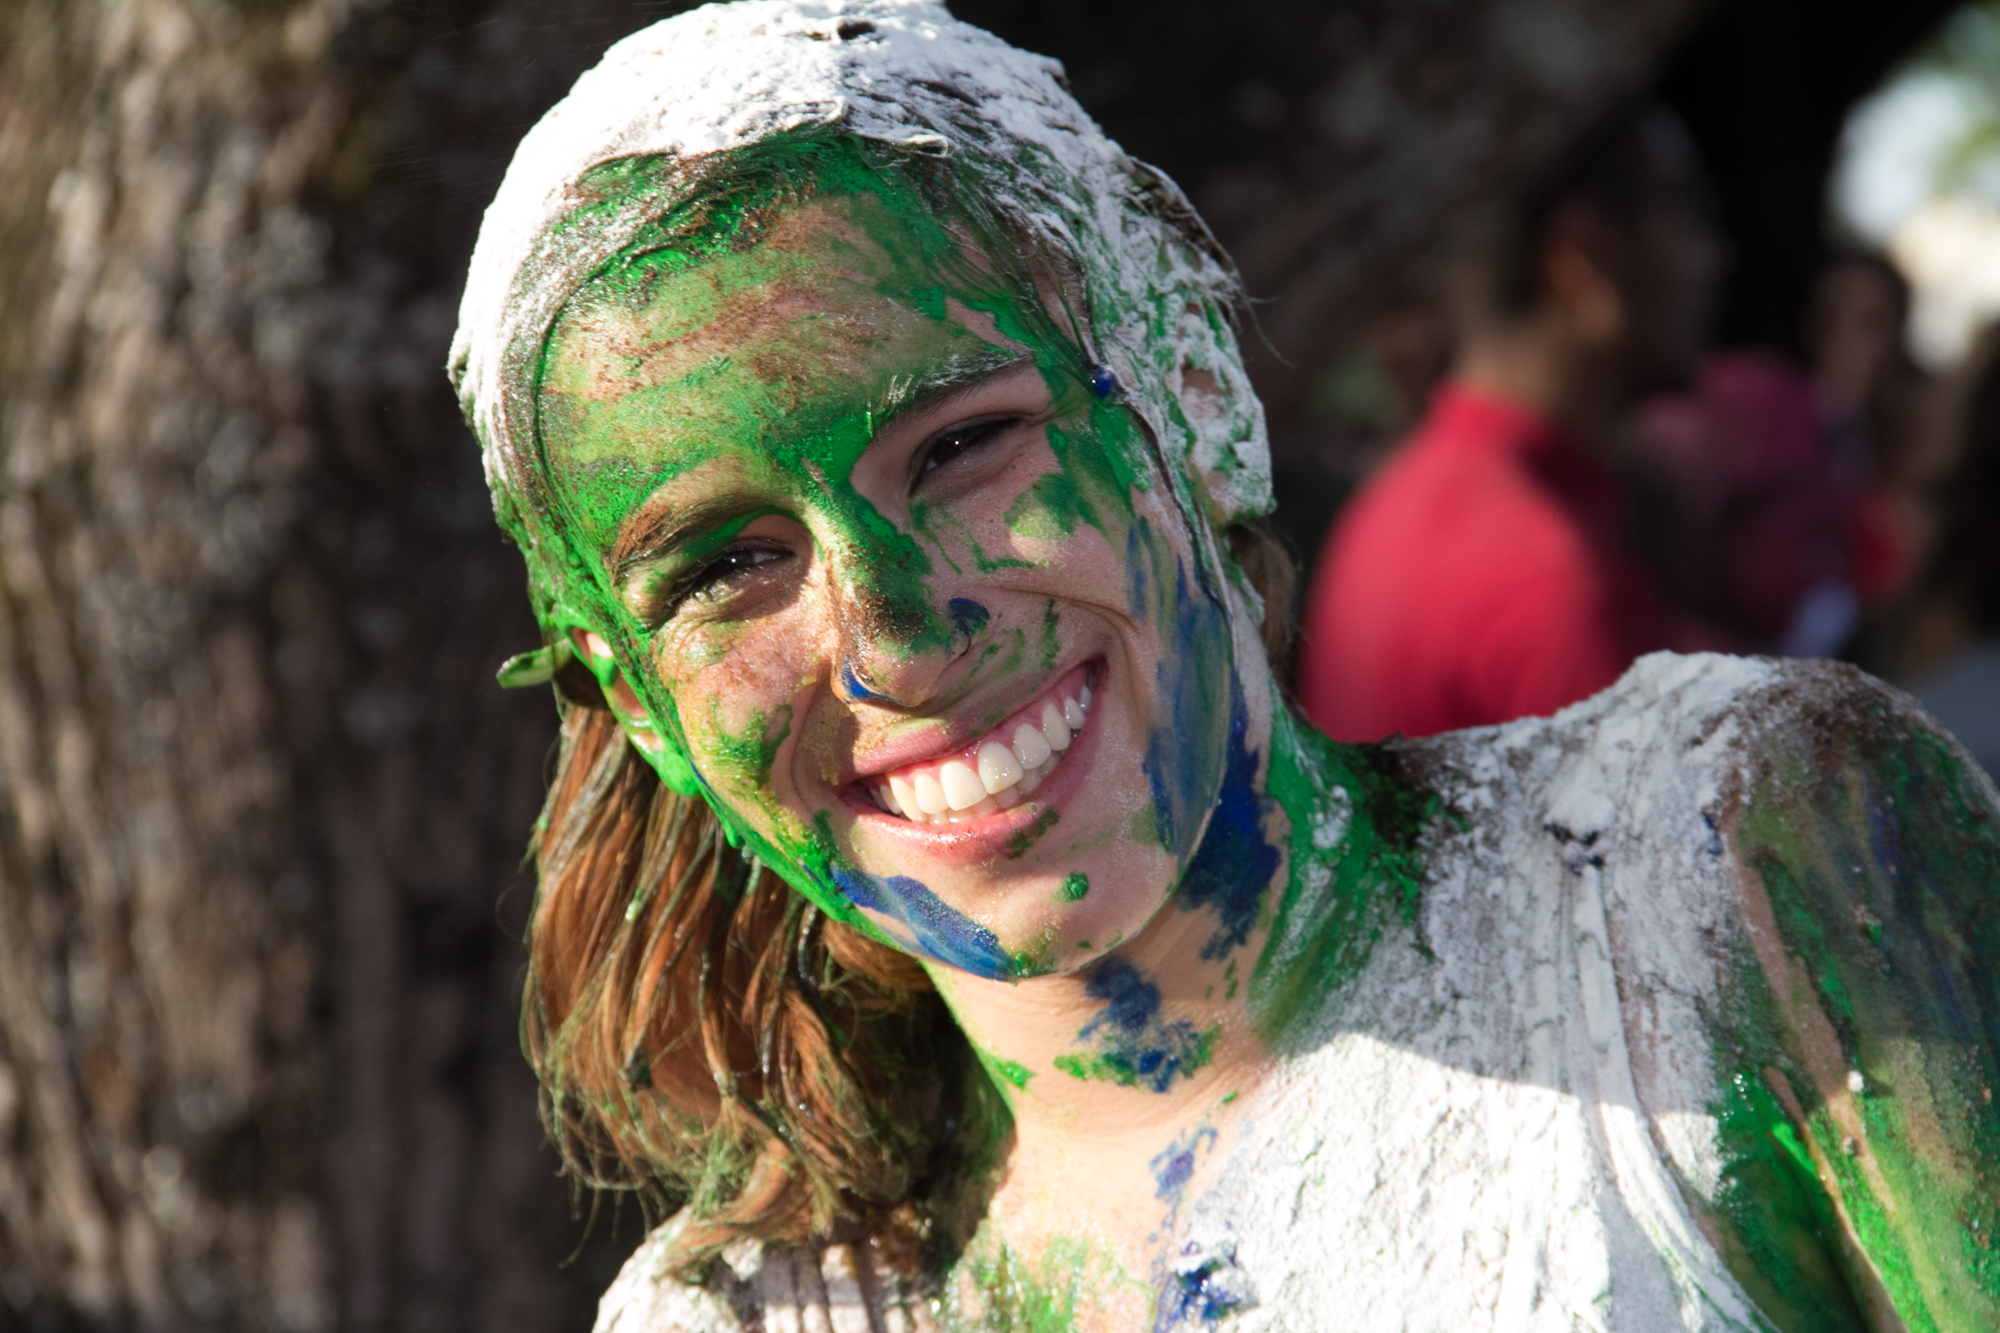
<point x="930" y="794"/>
<point x="999" y="777"/>
<point x="985" y="806"/>
<point x="1054" y="729"/>
<point x="998" y="769"/>
<point x="1030" y="746"/>
<point x="962" y="787"/>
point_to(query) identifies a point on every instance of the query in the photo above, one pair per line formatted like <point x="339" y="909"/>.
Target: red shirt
<point x="1474" y="579"/>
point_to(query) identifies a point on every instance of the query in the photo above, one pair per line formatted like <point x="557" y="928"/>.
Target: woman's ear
<point x="595" y="653"/>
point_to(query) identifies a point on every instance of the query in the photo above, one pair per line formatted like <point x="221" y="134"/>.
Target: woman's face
<point x="908" y="594"/>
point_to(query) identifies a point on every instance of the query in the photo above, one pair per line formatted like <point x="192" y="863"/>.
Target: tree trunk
<point x="258" y="795"/>
<point x="258" y="1064"/>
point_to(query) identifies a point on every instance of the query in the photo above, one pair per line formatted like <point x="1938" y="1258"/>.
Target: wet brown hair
<point x="707" y="1039"/>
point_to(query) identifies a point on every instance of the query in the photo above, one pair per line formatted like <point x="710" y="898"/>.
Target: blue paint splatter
<point x="1134" y="1049"/>
<point x="1234" y="864"/>
<point x="1173" y="1168"/>
<point x="1206" y="1285"/>
<point x="1137" y="549"/>
<point x="1206" y="1282"/>
<point x="940" y="930"/>
<point x="968" y="617"/>
<point x="856" y="688"/>
<point x="1189" y="684"/>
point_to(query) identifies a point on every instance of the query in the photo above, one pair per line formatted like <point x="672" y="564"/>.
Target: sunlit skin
<point x="754" y="617"/>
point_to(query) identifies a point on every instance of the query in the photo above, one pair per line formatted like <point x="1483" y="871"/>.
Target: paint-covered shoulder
<point x="649" y="1297"/>
<point x="1862" y="1012"/>
<point x="759" y="1286"/>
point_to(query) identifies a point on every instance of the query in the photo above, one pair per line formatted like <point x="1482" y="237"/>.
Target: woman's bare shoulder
<point x="843" y="1287"/>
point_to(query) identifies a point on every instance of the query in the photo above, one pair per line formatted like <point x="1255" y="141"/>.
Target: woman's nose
<point x="898" y="655"/>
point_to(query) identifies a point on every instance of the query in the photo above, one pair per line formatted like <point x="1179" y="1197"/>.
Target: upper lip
<point x="918" y="746"/>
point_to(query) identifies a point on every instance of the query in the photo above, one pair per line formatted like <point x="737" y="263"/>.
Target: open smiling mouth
<point x="996" y="772"/>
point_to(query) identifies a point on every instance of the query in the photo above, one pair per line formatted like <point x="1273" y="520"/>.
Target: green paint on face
<point x="1050" y="509"/>
<point x="748" y="346"/>
<point x="742" y="760"/>
<point x="1032" y="834"/>
<point x="943" y="528"/>
<point x="1784" y="1241"/>
<point x="1075" y="887"/>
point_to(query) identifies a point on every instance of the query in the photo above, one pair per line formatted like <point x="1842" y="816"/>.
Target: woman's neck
<point x="1127" y="1078"/>
<point x="1158" y="1029"/>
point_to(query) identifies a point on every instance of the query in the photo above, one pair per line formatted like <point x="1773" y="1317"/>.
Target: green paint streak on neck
<point x="1011" y="1072"/>
<point x="1345" y="886"/>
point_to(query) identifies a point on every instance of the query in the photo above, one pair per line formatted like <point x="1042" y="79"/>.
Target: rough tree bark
<point x="257" y="1056"/>
<point x="261" y="808"/>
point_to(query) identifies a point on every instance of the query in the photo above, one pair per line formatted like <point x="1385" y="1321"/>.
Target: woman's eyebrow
<point x="942" y="392"/>
<point x="661" y="526"/>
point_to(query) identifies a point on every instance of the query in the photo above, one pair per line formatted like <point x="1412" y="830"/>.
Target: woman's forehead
<point x="789" y="349"/>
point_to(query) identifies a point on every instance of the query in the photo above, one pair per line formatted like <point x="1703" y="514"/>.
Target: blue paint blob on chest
<point x="937" y="929"/>
<point x="1173" y="1168"/>
<point x="1205" y="1287"/>
<point x="1235" y="862"/>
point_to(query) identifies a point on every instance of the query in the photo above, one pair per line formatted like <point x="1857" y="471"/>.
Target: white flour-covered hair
<point x="1159" y="296"/>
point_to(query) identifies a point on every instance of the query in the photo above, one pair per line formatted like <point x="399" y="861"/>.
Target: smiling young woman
<point x="944" y="919"/>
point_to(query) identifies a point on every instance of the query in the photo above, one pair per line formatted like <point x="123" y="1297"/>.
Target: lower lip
<point x="986" y="839"/>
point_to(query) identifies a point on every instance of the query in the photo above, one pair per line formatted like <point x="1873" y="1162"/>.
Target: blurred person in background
<point x="1953" y="648"/>
<point x="1746" y="506"/>
<point x="1484" y="573"/>
<point x="1781" y="508"/>
<point x="1877" y="404"/>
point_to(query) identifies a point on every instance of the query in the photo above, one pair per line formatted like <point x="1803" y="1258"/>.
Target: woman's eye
<point x="712" y="580"/>
<point x="959" y="441"/>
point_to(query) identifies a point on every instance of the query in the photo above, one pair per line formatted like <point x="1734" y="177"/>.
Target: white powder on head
<point x="899" y="72"/>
